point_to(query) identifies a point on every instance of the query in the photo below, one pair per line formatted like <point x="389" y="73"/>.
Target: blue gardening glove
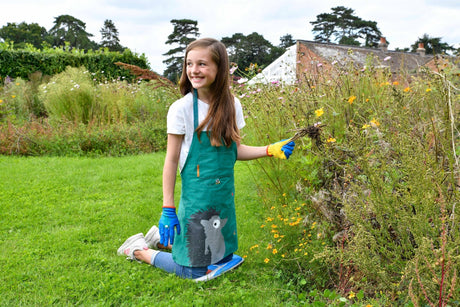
<point x="282" y="149"/>
<point x="168" y="221"/>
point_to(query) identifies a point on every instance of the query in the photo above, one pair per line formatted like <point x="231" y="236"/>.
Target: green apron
<point x="207" y="207"/>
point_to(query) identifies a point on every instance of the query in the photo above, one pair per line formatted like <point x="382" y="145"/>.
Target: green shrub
<point x="51" y="61"/>
<point x="37" y="138"/>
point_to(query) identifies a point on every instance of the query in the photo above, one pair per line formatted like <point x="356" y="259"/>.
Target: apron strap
<point x="195" y="109"/>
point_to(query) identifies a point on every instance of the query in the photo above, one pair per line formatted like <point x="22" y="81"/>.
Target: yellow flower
<point x="319" y="112"/>
<point x="254" y="246"/>
<point x="395" y="83"/>
<point x="365" y="126"/>
<point x="331" y="140"/>
<point x="367" y="100"/>
<point x="407" y="89"/>
<point x="351" y="295"/>
<point x="269" y="219"/>
<point x="428" y="90"/>
<point x="266" y="260"/>
<point x="351" y="99"/>
<point x="275" y="251"/>
<point x="13" y="96"/>
<point x="269" y="246"/>
<point x="1" y="101"/>
<point x="375" y="123"/>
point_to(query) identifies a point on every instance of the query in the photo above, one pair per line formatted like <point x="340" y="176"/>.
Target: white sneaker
<point x="132" y="244"/>
<point x="152" y="238"/>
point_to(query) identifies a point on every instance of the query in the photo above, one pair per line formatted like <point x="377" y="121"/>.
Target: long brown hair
<point x="221" y="118"/>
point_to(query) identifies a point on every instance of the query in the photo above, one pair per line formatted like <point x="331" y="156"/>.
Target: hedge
<point x="21" y="63"/>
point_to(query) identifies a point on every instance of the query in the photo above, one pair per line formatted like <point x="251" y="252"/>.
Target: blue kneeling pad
<point x="215" y="270"/>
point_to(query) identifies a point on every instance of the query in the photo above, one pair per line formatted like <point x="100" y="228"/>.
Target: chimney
<point x="383" y="44"/>
<point x="421" y="50"/>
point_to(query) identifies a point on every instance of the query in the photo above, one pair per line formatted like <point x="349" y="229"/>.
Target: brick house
<point x="309" y="59"/>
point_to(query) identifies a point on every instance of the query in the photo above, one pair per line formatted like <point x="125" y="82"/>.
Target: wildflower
<point x="1" y="101"/>
<point x="387" y="58"/>
<point x="407" y="89"/>
<point x="331" y="140"/>
<point x="367" y="100"/>
<point x="17" y="83"/>
<point x="233" y="69"/>
<point x="269" y="219"/>
<point x="13" y="96"/>
<point x="365" y="126"/>
<point x="254" y="246"/>
<point x="428" y="90"/>
<point x="269" y="246"/>
<point x="395" y="83"/>
<point x="319" y="112"/>
<point x="275" y="251"/>
<point x="351" y="295"/>
<point x="374" y="123"/>
<point x="266" y="260"/>
<point x="351" y="99"/>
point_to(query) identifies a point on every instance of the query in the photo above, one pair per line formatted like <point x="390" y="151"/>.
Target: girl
<point x="204" y="142"/>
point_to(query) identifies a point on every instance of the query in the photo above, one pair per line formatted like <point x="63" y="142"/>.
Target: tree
<point x="185" y="31"/>
<point x="251" y="49"/>
<point x="432" y="45"/>
<point x="23" y="33"/>
<point x="344" y="27"/>
<point x="72" y="30"/>
<point x="110" y="38"/>
<point x="286" y="41"/>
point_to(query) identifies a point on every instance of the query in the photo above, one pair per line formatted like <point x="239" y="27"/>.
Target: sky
<point x="144" y="25"/>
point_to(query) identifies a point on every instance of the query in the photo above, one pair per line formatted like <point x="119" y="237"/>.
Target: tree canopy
<point x="343" y="27"/>
<point x="23" y="33"/>
<point x="110" y="38"/>
<point x="251" y="49"/>
<point x="432" y="45"/>
<point x="185" y="31"/>
<point x="72" y="30"/>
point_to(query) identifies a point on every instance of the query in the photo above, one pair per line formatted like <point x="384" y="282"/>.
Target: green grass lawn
<point x="62" y="220"/>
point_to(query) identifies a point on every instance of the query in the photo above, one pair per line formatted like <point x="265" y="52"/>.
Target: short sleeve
<point x="239" y="114"/>
<point x="176" y="119"/>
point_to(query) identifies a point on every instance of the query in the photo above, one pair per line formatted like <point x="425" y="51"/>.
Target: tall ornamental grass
<point x="367" y="203"/>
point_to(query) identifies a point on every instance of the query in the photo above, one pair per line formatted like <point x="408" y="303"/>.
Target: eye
<point x="216" y="224"/>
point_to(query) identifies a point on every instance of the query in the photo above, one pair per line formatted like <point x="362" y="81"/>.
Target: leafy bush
<point x="51" y="61"/>
<point x="74" y="96"/>
<point x="38" y="138"/>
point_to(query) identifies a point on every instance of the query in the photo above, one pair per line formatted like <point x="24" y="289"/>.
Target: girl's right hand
<point x="167" y="225"/>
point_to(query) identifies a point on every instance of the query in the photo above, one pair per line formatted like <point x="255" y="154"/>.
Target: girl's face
<point x="201" y="69"/>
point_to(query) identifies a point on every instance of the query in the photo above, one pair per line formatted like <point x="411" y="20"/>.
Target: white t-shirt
<point x="180" y="121"/>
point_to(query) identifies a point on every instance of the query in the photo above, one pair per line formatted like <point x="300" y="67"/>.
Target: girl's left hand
<point x="282" y="149"/>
